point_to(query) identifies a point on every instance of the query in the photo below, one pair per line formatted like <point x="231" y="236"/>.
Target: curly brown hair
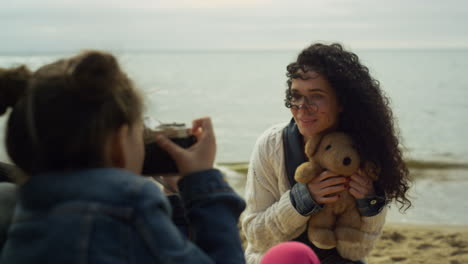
<point x="366" y="114"/>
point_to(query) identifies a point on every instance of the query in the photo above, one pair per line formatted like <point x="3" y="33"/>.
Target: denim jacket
<point x="7" y="206"/>
<point x="114" y="216"/>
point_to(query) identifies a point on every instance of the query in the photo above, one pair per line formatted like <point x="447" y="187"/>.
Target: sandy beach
<point x="429" y="244"/>
<point x="420" y="244"/>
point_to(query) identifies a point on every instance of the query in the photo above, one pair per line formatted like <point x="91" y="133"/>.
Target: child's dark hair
<point x="63" y="114"/>
<point x="366" y="114"/>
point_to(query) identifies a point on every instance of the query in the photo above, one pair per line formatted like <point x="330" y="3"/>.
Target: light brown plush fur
<point x="338" y="221"/>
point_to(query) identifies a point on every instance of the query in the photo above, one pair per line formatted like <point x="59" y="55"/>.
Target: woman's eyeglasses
<point x="297" y="101"/>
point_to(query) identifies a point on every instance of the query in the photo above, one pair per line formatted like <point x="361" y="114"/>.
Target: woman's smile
<point x="308" y="121"/>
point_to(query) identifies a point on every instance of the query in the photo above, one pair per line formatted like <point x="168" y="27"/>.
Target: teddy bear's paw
<point x="322" y="238"/>
<point x="305" y="172"/>
<point x="349" y="234"/>
<point x="302" y="178"/>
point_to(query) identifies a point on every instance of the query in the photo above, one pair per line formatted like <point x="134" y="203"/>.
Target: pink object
<point x="290" y="252"/>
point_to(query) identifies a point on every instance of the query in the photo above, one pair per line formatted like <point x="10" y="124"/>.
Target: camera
<point x="157" y="160"/>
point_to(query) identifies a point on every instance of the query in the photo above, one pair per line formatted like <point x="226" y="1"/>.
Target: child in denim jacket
<point x="76" y="130"/>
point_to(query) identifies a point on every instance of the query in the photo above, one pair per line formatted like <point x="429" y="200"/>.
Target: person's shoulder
<point x="8" y="196"/>
<point x="273" y="134"/>
<point x="106" y="185"/>
<point x="271" y="140"/>
<point x="276" y="128"/>
<point x="135" y="190"/>
<point x="8" y="192"/>
<point x="136" y="186"/>
<point x="7" y="187"/>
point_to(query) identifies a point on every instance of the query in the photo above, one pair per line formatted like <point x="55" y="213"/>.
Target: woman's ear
<point x="115" y="150"/>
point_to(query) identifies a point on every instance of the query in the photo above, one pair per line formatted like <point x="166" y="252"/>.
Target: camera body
<point x="158" y="161"/>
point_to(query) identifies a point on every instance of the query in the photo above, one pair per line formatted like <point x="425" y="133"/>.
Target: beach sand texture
<point x="419" y="244"/>
<point x="434" y="244"/>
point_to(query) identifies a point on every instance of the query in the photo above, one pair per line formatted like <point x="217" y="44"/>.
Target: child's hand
<point x="200" y="156"/>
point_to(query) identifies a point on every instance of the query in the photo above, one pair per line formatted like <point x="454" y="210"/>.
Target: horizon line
<point x="219" y="50"/>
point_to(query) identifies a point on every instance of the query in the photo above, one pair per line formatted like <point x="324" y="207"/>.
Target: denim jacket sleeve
<point x="302" y="200"/>
<point x="179" y="217"/>
<point x="371" y="206"/>
<point x="213" y="210"/>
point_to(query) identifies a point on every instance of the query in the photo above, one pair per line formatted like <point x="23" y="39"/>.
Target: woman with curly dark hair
<point x="328" y="90"/>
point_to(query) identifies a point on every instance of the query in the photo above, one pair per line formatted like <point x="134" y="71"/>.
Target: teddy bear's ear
<point x="312" y="145"/>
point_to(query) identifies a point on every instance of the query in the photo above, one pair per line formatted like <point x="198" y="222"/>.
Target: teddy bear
<point x="338" y="221"/>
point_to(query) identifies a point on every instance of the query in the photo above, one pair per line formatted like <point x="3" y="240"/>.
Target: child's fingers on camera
<point x="169" y="146"/>
<point x="202" y="128"/>
<point x="203" y="123"/>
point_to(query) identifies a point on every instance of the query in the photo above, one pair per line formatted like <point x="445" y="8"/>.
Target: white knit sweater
<point x="270" y="218"/>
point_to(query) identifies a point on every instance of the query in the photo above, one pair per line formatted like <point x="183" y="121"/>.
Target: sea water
<point x="243" y="92"/>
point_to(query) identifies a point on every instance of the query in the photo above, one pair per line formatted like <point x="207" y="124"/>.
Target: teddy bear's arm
<point x="312" y="144"/>
<point x="307" y="171"/>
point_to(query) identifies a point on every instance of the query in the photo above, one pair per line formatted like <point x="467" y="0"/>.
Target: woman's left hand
<point x="361" y="185"/>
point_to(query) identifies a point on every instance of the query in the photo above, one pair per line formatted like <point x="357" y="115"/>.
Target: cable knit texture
<point x="270" y="218"/>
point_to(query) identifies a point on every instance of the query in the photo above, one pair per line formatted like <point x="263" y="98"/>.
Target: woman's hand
<point x="199" y="156"/>
<point x="361" y="185"/>
<point x="324" y="189"/>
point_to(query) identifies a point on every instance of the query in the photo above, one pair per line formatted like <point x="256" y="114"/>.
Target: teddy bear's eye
<point x="328" y="147"/>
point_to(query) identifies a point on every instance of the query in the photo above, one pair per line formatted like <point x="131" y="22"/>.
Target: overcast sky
<point x="53" y="25"/>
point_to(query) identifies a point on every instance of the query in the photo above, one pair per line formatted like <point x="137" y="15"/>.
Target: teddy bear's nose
<point x="347" y="161"/>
